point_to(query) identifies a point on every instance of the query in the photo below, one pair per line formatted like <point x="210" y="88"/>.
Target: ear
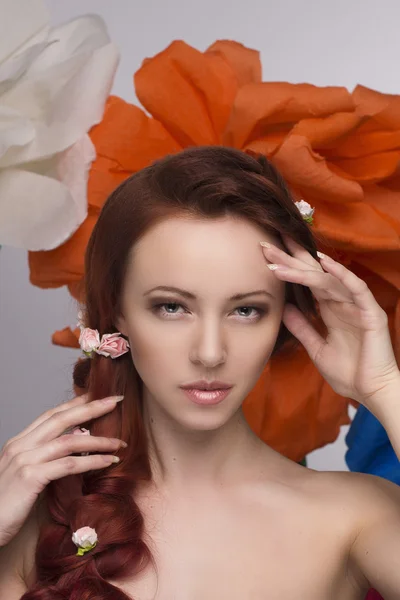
<point x="120" y="324"/>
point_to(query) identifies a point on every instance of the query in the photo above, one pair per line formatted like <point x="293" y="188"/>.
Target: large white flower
<point x="54" y="83"/>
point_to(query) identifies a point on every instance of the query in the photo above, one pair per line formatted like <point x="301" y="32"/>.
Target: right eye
<point x="157" y="308"/>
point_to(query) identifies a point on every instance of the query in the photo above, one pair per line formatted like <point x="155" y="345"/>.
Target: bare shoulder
<point x="368" y="496"/>
<point x="374" y="506"/>
<point x="342" y="499"/>
<point x="360" y="514"/>
<point x="362" y="497"/>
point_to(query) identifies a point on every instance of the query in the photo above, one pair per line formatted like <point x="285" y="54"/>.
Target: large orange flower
<point x="338" y="150"/>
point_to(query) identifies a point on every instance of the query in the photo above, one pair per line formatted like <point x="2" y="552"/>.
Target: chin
<point x="190" y="416"/>
<point x="200" y="418"/>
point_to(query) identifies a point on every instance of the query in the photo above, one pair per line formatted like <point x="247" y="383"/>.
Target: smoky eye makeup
<point x="255" y="311"/>
<point x="239" y="303"/>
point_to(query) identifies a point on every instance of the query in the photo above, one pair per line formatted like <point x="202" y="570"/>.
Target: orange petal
<point x="129" y="138"/>
<point x="370" y="169"/>
<point x="354" y="226"/>
<point x="386" y="203"/>
<point x="324" y="133"/>
<point x="308" y="171"/>
<point x="383" y="108"/>
<point x="77" y="289"/>
<point x="105" y="176"/>
<point x="58" y="267"/>
<point x="364" y="142"/>
<point x="297" y="413"/>
<point x="387" y="266"/>
<point x="244" y="62"/>
<point x="260" y="107"/>
<point x="191" y="93"/>
<point x="267" y="144"/>
<point x="66" y="337"/>
<point x="381" y="276"/>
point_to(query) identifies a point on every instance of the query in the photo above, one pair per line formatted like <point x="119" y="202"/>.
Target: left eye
<point x="157" y="308"/>
<point x="248" y="308"/>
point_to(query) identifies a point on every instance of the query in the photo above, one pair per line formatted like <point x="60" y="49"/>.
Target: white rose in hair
<point x="305" y="208"/>
<point x="85" y="538"/>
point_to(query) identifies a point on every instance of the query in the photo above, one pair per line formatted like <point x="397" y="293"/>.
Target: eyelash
<point x="156" y="309"/>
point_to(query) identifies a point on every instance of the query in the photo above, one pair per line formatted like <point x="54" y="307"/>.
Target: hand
<point x="41" y="453"/>
<point x="356" y="358"/>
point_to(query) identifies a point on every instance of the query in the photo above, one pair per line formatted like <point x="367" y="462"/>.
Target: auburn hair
<point x="206" y="182"/>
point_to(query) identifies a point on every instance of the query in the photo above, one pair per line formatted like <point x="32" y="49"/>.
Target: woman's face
<point x="177" y="339"/>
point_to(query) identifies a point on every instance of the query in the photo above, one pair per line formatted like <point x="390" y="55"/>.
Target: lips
<point x="206" y="397"/>
<point x="207" y="385"/>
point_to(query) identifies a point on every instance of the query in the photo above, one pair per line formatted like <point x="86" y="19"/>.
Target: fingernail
<point x="273" y="267"/>
<point x="112" y="399"/>
<point x="265" y="244"/>
<point x="325" y="256"/>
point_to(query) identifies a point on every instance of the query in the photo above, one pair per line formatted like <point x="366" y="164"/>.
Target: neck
<point x="182" y="458"/>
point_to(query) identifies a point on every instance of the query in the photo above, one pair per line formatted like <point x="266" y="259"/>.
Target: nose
<point x="208" y="347"/>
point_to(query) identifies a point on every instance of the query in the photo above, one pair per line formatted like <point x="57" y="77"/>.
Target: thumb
<point x="302" y="329"/>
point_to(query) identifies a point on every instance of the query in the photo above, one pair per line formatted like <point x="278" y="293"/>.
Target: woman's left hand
<point x="356" y="358"/>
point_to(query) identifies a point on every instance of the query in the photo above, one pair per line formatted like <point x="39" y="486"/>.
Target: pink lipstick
<point x="206" y="397"/>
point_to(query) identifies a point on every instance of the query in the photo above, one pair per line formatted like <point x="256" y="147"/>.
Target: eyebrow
<point x="190" y="296"/>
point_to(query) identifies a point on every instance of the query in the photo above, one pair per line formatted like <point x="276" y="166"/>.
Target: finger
<point x="361" y="294"/>
<point x="77" y="401"/>
<point x="67" y="445"/>
<point x="60" y="421"/>
<point x="62" y="467"/>
<point x="277" y="255"/>
<point x="302" y="329"/>
<point x="322" y="285"/>
<point x="300" y="252"/>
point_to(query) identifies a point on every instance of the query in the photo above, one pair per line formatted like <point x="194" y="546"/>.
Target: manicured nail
<point x="327" y="258"/>
<point x="265" y="244"/>
<point x="112" y="399"/>
<point x="272" y="266"/>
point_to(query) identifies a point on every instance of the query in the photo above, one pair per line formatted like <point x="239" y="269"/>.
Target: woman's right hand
<point x="42" y="453"/>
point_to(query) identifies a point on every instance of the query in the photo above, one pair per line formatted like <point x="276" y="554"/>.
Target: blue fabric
<point x="369" y="448"/>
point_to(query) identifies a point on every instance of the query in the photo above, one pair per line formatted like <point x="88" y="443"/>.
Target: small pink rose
<point x="89" y="339"/>
<point x="80" y="431"/>
<point x="113" y="345"/>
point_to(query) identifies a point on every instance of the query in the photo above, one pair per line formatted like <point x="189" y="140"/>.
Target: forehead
<point x="193" y="252"/>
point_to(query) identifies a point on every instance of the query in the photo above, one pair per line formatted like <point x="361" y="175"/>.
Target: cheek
<point x="154" y="355"/>
<point x="251" y="356"/>
<point x="254" y="350"/>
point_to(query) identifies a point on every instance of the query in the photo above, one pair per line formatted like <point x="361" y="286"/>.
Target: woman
<point x="198" y="507"/>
